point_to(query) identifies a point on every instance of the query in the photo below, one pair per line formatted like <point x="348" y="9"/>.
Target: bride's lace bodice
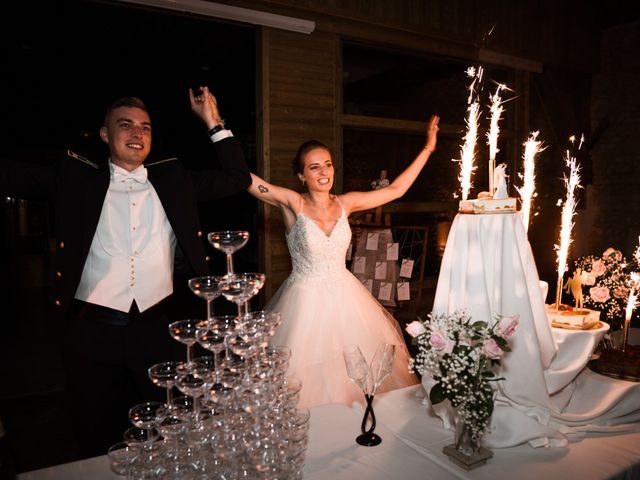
<point x="313" y="252"/>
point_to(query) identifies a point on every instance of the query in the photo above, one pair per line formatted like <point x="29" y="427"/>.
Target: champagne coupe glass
<point x="267" y="322"/>
<point x="144" y="464"/>
<point x="207" y="287"/>
<point x="246" y="342"/>
<point x="164" y="375"/>
<point x="120" y="457"/>
<point x="369" y="379"/>
<point x="184" y="331"/>
<point x="147" y="416"/>
<point x="191" y="381"/>
<point x="229" y="242"/>
<point x="242" y="287"/>
<point x="173" y="429"/>
<point x="183" y="407"/>
<point x="212" y="334"/>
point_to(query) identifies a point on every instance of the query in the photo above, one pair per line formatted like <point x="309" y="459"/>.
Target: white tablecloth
<point x="411" y="448"/>
<point x="487" y="269"/>
<point x="575" y="348"/>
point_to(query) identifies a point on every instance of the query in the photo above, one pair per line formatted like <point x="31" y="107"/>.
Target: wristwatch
<point x="216" y="129"/>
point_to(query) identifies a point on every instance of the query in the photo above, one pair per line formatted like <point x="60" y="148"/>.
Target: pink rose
<point x="591" y="279"/>
<point x="508" y="325"/>
<point x="492" y="349"/>
<point x="612" y="252"/>
<point x="620" y="292"/>
<point x="440" y="343"/>
<point x="599" y="294"/>
<point x="598" y="268"/>
<point x="415" y="328"/>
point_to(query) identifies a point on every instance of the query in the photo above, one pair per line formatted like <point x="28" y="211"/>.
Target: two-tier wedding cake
<point x="499" y="202"/>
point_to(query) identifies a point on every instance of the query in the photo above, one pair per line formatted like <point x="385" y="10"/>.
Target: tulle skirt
<point x="320" y="317"/>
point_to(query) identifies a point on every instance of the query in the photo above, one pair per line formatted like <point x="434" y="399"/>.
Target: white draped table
<point x="548" y="394"/>
<point x="411" y="448"/>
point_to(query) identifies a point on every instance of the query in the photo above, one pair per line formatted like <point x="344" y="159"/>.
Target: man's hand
<point x="204" y="104"/>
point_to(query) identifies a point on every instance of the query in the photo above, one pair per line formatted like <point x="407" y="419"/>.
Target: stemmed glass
<point x="146" y="417"/>
<point x="369" y="379"/>
<point x="229" y="242"/>
<point x="164" y="375"/>
<point x="212" y="334"/>
<point x="242" y="287"/>
<point x="192" y="382"/>
<point x="265" y="321"/>
<point x="184" y="331"/>
<point x="207" y="287"/>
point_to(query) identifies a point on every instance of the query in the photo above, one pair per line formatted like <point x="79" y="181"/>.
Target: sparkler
<point x="531" y="148"/>
<point x="632" y="301"/>
<point x="467" y="151"/>
<point x="496" y="110"/>
<point x="572" y="183"/>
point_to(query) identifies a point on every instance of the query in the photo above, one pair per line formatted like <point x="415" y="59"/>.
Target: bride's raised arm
<point x="272" y="194"/>
<point x="356" y="201"/>
<point x="285" y="199"/>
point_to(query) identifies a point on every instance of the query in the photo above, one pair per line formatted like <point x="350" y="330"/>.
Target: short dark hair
<point x="298" y="161"/>
<point x="132" y="102"/>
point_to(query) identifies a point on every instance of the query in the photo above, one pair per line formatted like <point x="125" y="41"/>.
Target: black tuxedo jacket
<point x="77" y="187"/>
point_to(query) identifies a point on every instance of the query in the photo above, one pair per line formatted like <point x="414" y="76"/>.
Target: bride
<point x="324" y="307"/>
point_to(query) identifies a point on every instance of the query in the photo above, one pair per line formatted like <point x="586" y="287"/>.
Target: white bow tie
<point x="139" y="175"/>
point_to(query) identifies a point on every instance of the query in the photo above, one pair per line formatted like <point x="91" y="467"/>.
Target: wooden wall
<point x="298" y="95"/>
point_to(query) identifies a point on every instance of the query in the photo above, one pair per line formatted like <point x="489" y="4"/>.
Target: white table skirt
<point x="548" y="395"/>
<point x="411" y="448"/>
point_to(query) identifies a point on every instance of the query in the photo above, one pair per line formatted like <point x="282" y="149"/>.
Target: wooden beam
<point x="416" y="207"/>
<point x="384" y="124"/>
<point x="511" y="61"/>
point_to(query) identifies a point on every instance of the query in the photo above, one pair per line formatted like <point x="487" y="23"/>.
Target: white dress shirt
<point x="132" y="252"/>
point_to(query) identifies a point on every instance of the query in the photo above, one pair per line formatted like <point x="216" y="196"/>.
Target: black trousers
<point x="107" y="358"/>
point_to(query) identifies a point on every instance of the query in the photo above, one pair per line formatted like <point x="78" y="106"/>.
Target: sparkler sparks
<point x="467" y="151"/>
<point x="632" y="301"/>
<point x="496" y="110"/>
<point x="635" y="283"/>
<point x="527" y="192"/>
<point x="572" y="183"/>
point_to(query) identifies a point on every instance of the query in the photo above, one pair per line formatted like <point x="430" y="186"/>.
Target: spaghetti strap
<point x="339" y="203"/>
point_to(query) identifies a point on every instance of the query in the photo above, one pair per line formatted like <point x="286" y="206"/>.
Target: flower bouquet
<point x="461" y="357"/>
<point x="607" y="285"/>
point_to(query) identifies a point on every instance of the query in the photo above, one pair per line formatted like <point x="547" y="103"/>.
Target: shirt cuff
<point x="222" y="134"/>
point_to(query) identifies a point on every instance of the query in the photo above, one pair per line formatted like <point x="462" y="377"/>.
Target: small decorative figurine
<point x="500" y="181"/>
<point x="574" y="285"/>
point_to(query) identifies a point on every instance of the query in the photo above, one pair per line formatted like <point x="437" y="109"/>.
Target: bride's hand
<point x="432" y="133"/>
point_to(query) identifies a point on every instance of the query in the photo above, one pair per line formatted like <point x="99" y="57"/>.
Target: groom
<point x="121" y="226"/>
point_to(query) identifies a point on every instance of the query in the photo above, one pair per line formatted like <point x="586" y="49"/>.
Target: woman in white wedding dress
<point x="324" y="307"/>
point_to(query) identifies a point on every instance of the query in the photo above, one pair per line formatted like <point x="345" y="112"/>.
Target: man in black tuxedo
<point x="121" y="228"/>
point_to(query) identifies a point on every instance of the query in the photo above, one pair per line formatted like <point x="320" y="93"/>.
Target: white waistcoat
<point x="132" y="252"/>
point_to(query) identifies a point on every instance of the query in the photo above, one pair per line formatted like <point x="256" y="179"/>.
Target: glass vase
<point x="464" y="441"/>
<point x="466" y="451"/>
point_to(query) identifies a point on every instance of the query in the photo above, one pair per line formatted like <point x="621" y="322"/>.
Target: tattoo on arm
<point x="262" y="189"/>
